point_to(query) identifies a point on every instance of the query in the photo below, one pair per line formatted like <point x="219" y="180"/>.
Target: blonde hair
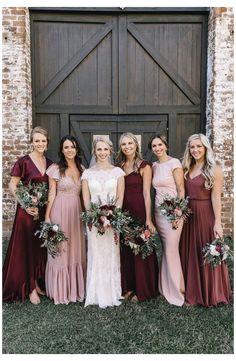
<point x="121" y="158"/>
<point x="208" y="170"/>
<point x="40" y="130"/>
<point x="104" y="140"/>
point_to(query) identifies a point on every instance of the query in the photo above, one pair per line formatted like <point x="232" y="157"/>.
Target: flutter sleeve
<point x="175" y="164"/>
<point x="53" y="172"/>
<point x="85" y="174"/>
<point x="19" y="168"/>
<point x="144" y="163"/>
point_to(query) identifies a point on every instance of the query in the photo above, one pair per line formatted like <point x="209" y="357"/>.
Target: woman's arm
<point x="178" y="175"/>
<point x="14" y="182"/>
<point x="51" y="196"/>
<point x="146" y="173"/>
<point x="120" y="191"/>
<point x="216" y="201"/>
<point x="86" y="194"/>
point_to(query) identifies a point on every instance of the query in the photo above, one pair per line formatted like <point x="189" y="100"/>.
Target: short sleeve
<point x="175" y="164"/>
<point x="53" y="172"/>
<point x="144" y="163"/>
<point x="18" y="170"/>
<point x="85" y="175"/>
<point x="119" y="172"/>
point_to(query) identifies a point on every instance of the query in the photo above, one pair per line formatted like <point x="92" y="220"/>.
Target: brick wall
<point x="17" y="104"/>
<point x="16" y="100"/>
<point x="220" y="100"/>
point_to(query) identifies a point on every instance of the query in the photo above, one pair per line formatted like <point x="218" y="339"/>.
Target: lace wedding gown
<point x="103" y="285"/>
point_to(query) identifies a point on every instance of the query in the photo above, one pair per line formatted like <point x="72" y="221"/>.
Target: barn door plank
<point x="164" y="64"/>
<point x="73" y="63"/>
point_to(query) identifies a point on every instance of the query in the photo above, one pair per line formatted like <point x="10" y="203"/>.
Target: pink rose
<point x="146" y="234"/>
<point x="178" y="212"/>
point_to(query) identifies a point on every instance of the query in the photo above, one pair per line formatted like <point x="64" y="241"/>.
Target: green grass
<point x="143" y="328"/>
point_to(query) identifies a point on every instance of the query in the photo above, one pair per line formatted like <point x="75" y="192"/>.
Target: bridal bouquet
<point x="52" y="236"/>
<point x="174" y="209"/>
<point x="107" y="217"/>
<point x="141" y="240"/>
<point x="217" y="252"/>
<point x="32" y="195"/>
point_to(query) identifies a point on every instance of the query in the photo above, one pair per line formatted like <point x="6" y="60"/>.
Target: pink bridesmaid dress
<point x="171" y="281"/>
<point x="65" y="274"/>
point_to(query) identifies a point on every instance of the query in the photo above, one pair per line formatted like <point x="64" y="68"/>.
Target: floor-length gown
<point x="65" y="274"/>
<point x="171" y="281"/>
<point x="25" y="260"/>
<point x="137" y="274"/>
<point x="205" y="285"/>
<point x="103" y="286"/>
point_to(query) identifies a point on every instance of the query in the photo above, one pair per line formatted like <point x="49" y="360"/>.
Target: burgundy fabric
<point x="204" y="285"/>
<point x="138" y="275"/>
<point x="25" y="260"/>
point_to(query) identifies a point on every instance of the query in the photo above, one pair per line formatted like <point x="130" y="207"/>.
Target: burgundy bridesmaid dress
<point x="204" y="285"/>
<point x="25" y="260"/>
<point x="137" y="274"/>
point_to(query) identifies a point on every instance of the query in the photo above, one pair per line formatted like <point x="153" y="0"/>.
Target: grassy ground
<point x="148" y="327"/>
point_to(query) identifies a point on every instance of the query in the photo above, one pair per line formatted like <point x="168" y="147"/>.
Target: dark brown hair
<point x="162" y="137"/>
<point x="62" y="160"/>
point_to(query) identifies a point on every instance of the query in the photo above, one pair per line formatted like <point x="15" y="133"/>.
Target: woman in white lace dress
<point x="103" y="180"/>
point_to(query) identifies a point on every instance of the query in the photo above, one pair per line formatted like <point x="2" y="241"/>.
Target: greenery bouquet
<point x="52" y="237"/>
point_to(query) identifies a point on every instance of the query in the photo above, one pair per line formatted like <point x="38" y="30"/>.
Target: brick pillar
<point x="16" y="101"/>
<point x="220" y="101"/>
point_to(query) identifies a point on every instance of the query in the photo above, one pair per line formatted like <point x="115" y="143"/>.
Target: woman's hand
<point x="33" y="211"/>
<point x="218" y="231"/>
<point x="47" y="220"/>
<point x="151" y="226"/>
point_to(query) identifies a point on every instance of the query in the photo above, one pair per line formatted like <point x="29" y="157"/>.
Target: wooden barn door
<point x="107" y="73"/>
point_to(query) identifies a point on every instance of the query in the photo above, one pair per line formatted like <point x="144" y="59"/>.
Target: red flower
<point x="218" y="248"/>
<point x="51" y="233"/>
<point x="107" y="208"/>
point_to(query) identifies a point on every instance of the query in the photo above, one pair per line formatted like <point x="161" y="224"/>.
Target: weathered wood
<point x="108" y="72"/>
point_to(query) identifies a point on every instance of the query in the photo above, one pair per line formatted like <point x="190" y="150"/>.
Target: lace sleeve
<point x="85" y="174"/>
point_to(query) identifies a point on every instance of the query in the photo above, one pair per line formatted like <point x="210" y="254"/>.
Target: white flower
<point x="133" y="245"/>
<point x="225" y="248"/>
<point x="213" y="251"/>
<point x="55" y="228"/>
<point x="225" y="255"/>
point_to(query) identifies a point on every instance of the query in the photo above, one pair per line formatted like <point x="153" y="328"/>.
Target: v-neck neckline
<point x="72" y="179"/>
<point x="37" y="167"/>
<point x="195" y="176"/>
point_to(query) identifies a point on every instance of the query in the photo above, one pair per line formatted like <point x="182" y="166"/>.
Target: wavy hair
<point x="63" y="165"/>
<point x="121" y="158"/>
<point x="208" y="169"/>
